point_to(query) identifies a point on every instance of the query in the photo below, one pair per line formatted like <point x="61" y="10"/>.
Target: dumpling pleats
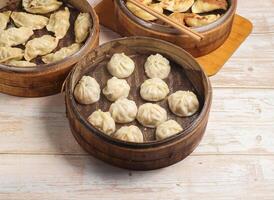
<point x="15" y="36"/>
<point x="41" y="6"/>
<point x="22" y="19"/>
<point x="20" y="63"/>
<point x="4" y="19"/>
<point x="10" y="53"/>
<point x="81" y="27"/>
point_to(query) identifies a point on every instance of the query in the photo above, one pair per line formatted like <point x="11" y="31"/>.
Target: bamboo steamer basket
<point x="215" y="34"/>
<point x="46" y="79"/>
<point x="152" y="154"/>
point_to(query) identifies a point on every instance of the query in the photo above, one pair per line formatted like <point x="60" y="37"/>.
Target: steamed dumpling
<point x="123" y="110"/>
<point x="151" y="115"/>
<point x="102" y="121"/>
<point x="194" y="20"/>
<point x="40" y="46"/>
<point x="202" y="6"/>
<point x="154" y="89"/>
<point x="120" y="65"/>
<point x="183" y="103"/>
<point x="116" y="88"/>
<point x="15" y="36"/>
<point x="9" y="53"/>
<point x="41" y="6"/>
<point x="157" y="66"/>
<point x="168" y="129"/>
<point x="87" y="91"/>
<point x="177" y="5"/>
<point x="4" y="19"/>
<point x="81" y="27"/>
<point x="61" y="54"/>
<point x="29" y="20"/>
<point x="59" y="23"/>
<point x="129" y="134"/>
<point x="20" y="63"/>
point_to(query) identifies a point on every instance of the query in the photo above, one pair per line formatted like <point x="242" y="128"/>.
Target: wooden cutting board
<point x="212" y="62"/>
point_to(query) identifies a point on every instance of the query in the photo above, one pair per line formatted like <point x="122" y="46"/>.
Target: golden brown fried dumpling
<point x="202" y="6"/>
<point x="178" y="17"/>
<point x="40" y="46"/>
<point x="143" y="14"/>
<point x="41" y="6"/>
<point x="81" y="27"/>
<point x="4" y="19"/>
<point x="177" y="5"/>
<point x="10" y="53"/>
<point x="15" y="36"/>
<point x="194" y="20"/>
<point x="22" y="19"/>
<point x="61" y="54"/>
<point x="20" y="63"/>
<point x="59" y="23"/>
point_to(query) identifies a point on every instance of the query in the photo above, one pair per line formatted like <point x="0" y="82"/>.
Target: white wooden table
<point x="39" y="158"/>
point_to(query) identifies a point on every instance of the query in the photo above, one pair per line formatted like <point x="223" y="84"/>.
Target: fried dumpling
<point x="59" y="23"/>
<point x="41" y="6"/>
<point x="40" y="46"/>
<point x="20" y="63"/>
<point x="22" y="19"/>
<point x="15" y="36"/>
<point x="61" y="54"/>
<point x="129" y="134"/>
<point x="4" y="19"/>
<point x="177" y="5"/>
<point x="178" y="17"/>
<point x="202" y="6"/>
<point x="194" y="20"/>
<point x="10" y="53"/>
<point x="81" y="27"/>
<point x="143" y="14"/>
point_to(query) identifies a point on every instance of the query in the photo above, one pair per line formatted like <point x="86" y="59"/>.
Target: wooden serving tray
<point x="212" y="62"/>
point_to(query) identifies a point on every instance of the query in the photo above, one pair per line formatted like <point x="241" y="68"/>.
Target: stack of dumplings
<point x="22" y="46"/>
<point x="123" y="110"/>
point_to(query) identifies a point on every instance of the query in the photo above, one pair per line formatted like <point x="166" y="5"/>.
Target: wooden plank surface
<point x="39" y="158"/>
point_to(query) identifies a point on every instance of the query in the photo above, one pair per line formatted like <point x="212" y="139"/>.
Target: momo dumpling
<point x="4" y="19"/>
<point x="102" y="121"/>
<point x="81" y="27"/>
<point x="40" y="46"/>
<point x="157" y="66"/>
<point x="41" y="6"/>
<point x="20" y="63"/>
<point x="178" y="17"/>
<point x="123" y="110"/>
<point x="120" y="65"/>
<point x="129" y="134"/>
<point x="15" y="36"/>
<point x="194" y="20"/>
<point x="151" y="115"/>
<point x="59" y="23"/>
<point x="154" y="89"/>
<point x="183" y="103"/>
<point x="61" y="54"/>
<point x="177" y="5"/>
<point x="87" y="91"/>
<point x="116" y="88"/>
<point x="35" y="22"/>
<point x="202" y="6"/>
<point x="10" y="53"/>
<point x="143" y="14"/>
<point x="168" y="129"/>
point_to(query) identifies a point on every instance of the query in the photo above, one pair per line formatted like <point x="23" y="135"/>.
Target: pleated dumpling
<point x="4" y="19"/>
<point x="129" y="134"/>
<point x="157" y="66"/>
<point x="40" y="46"/>
<point x="22" y="19"/>
<point x="59" y="23"/>
<point x="178" y="17"/>
<point x="61" y="54"/>
<point x="102" y="121"/>
<point x="194" y="20"/>
<point x="154" y="89"/>
<point x="10" y="53"/>
<point x="81" y="27"/>
<point x="41" y="6"/>
<point x="116" y="88"/>
<point x="20" y="63"/>
<point x="177" y="5"/>
<point x="168" y="129"/>
<point x="202" y="6"/>
<point x="183" y="103"/>
<point x="151" y="115"/>
<point x="15" y="36"/>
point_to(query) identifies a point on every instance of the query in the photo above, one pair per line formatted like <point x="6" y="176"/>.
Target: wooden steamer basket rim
<point x="138" y="146"/>
<point x="169" y="30"/>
